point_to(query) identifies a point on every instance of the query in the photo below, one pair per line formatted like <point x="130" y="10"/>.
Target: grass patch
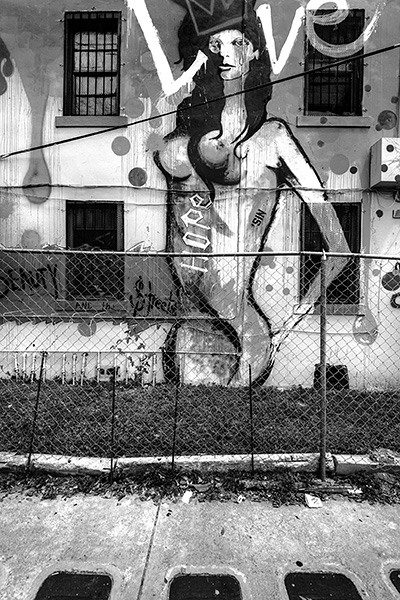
<point x="76" y="420"/>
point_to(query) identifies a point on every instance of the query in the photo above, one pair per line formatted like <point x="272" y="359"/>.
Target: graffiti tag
<point x="170" y="85"/>
<point x="30" y="281"/>
<point x="145" y="300"/>
<point x="195" y="240"/>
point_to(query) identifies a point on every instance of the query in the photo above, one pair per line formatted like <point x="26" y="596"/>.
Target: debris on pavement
<point x="186" y="496"/>
<point x="164" y="484"/>
<point x="313" y="501"/>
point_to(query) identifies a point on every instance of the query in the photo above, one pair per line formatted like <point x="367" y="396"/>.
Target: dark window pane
<point x="345" y="289"/>
<point x="92" y="63"/>
<point x="95" y="226"/>
<point x="336" y="90"/>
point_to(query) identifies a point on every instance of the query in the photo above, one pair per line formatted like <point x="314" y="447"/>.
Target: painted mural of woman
<point x="224" y="163"/>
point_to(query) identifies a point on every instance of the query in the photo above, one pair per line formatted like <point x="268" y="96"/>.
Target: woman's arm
<point x="296" y="170"/>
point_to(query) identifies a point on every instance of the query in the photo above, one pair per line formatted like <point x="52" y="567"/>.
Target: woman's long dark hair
<point x="201" y="112"/>
<point x="196" y="113"/>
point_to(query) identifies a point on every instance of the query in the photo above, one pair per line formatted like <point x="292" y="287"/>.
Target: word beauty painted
<point x="171" y="86"/>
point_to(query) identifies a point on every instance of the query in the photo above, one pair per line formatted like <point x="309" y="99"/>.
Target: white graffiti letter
<point x="193" y="217"/>
<point x="196" y="240"/>
<point x="265" y="16"/>
<point x="168" y="83"/>
<point x="338" y="51"/>
<point x="196" y="267"/>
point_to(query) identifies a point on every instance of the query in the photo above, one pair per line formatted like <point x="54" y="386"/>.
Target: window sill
<point x="91" y="121"/>
<point x="332" y="121"/>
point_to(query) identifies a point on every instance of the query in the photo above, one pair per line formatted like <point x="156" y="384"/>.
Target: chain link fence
<point x="155" y="354"/>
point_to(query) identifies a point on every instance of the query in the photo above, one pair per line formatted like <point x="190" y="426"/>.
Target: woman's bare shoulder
<point x="277" y="126"/>
<point x="172" y="157"/>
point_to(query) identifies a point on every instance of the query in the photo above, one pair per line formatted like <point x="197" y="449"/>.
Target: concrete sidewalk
<point x="143" y="546"/>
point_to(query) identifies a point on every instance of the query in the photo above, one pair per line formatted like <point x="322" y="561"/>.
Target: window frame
<point x="355" y="243"/>
<point x="324" y="116"/>
<point x="118" y="270"/>
<point x="75" y="21"/>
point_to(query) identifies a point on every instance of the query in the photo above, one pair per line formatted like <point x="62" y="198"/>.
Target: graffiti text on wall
<point x="144" y="301"/>
<point x="171" y="85"/>
<point x="29" y="281"/>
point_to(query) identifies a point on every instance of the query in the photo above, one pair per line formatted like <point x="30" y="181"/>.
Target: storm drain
<point x="205" y="587"/>
<point x="79" y="586"/>
<point x="320" y="586"/>
<point x="395" y="579"/>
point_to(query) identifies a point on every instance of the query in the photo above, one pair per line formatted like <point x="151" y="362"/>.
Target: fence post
<point x="175" y="426"/>
<point x="251" y="421"/>
<point x="35" y="411"/>
<point x="112" y="424"/>
<point x="322" y="382"/>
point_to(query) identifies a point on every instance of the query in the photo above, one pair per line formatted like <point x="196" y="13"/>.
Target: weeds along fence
<point x="155" y="354"/>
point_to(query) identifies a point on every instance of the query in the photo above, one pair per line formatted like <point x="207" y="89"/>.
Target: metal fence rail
<point x="145" y="354"/>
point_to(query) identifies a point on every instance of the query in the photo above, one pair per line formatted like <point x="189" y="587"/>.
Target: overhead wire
<point x="205" y="102"/>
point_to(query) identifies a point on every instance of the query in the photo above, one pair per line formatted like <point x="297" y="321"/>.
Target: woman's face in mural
<point x="236" y="52"/>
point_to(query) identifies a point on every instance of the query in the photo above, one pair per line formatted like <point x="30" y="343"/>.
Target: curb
<point x="339" y="464"/>
<point x="83" y="465"/>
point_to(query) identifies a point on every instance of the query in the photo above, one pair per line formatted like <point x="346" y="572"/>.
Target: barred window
<point x="336" y="90"/>
<point x="95" y="226"/>
<point x="92" y="63"/>
<point x="345" y="289"/>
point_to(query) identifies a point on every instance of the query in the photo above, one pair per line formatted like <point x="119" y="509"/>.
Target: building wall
<point x="36" y="185"/>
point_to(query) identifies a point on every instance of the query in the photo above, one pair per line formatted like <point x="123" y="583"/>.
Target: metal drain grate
<point x="320" y="586"/>
<point x="205" y="587"/>
<point x="395" y="579"/>
<point x="79" y="586"/>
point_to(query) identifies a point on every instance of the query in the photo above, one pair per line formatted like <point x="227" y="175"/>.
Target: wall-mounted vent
<point x="385" y="164"/>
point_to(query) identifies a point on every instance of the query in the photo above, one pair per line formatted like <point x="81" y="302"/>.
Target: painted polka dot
<point x="394" y="99"/>
<point x="379" y="213"/>
<point x="155" y="122"/>
<point x="323" y="120"/>
<point x="155" y="142"/>
<point x="6" y="209"/>
<point x="376" y="272"/>
<point x="30" y="239"/>
<point x="387" y="119"/>
<point x="285" y="291"/>
<point x="269" y="288"/>
<point x="268" y="261"/>
<point x="134" y="108"/>
<point x="289" y="269"/>
<point x="329" y="134"/>
<point x="368" y="88"/>
<point x="121" y="145"/>
<point x="390" y="147"/>
<point x="320" y="143"/>
<point x="137" y="176"/>
<point x="87" y="328"/>
<point x="339" y="164"/>
<point x="353" y="170"/>
<point x="384" y="168"/>
<point x="378" y="127"/>
<point x="397" y="179"/>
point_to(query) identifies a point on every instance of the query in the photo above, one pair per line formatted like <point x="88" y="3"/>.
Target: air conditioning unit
<point x="385" y="164"/>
